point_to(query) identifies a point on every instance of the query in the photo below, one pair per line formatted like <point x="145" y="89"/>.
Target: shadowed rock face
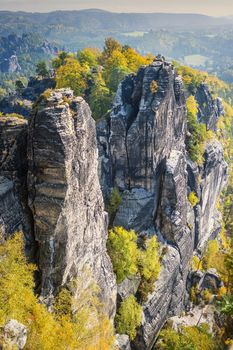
<point x="143" y="153"/>
<point x="209" y="109"/>
<point x="64" y="195"/>
<point x="14" y="213"/>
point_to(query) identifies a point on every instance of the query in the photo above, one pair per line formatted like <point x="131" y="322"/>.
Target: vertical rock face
<point x="14" y="214"/>
<point x="141" y="138"/>
<point x="143" y="153"/>
<point x="208" y="184"/>
<point x="210" y="109"/>
<point x="65" y="198"/>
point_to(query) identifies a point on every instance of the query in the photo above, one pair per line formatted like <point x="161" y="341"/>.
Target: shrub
<point x="188" y="338"/>
<point x="209" y="258"/>
<point x="149" y="261"/>
<point x="199" y="135"/>
<point x="193" y="199"/>
<point x="129" y="317"/>
<point x="123" y="251"/>
<point x="149" y="267"/>
<point x="154" y="86"/>
<point x="196" y="263"/>
<point x="114" y="203"/>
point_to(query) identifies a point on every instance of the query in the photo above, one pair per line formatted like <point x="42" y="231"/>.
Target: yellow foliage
<point x="154" y="86"/>
<point x="209" y="259"/>
<point x="193" y="199"/>
<point x="196" y="263"/>
<point x="72" y="75"/>
<point x="76" y="323"/>
<point x="207" y="295"/>
<point x="222" y="291"/>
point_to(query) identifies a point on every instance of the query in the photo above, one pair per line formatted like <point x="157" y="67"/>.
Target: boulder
<point x="15" y="335"/>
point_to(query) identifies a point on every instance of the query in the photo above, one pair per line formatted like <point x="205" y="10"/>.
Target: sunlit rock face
<point x="70" y="223"/>
<point x="142" y="151"/>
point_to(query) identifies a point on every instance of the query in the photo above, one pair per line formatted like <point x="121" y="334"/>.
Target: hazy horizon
<point x="215" y="8"/>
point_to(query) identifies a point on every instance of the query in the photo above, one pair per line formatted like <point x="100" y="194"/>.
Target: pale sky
<point x="208" y="7"/>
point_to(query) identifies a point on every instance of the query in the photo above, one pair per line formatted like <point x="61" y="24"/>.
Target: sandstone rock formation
<point x="143" y="153"/>
<point x="14" y="212"/>
<point x="70" y="224"/>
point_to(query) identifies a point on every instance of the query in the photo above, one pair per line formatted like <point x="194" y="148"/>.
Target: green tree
<point x="188" y="338"/>
<point x="149" y="260"/>
<point x="89" y="57"/>
<point x="100" y="99"/>
<point x="72" y="75"/>
<point x="42" y="69"/>
<point x="113" y="203"/>
<point x="129" y="317"/>
<point x="110" y="46"/>
<point x="123" y="251"/>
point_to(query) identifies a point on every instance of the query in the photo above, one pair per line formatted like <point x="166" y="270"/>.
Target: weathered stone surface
<point x="14" y="213"/>
<point x="210" y="109"/>
<point x="162" y="302"/>
<point x="65" y="197"/>
<point x="136" y="210"/>
<point x="197" y="316"/>
<point x="145" y="126"/>
<point x="127" y="287"/>
<point x="123" y="342"/>
<point x="143" y="153"/>
<point x="15" y="335"/>
<point x="205" y="280"/>
<point x="208" y="184"/>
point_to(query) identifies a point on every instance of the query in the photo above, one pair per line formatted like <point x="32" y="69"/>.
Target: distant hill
<point x="92" y="20"/>
<point x="201" y="41"/>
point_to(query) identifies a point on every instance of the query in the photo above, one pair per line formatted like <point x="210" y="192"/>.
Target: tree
<point x="89" y="57"/>
<point x="110" y="46"/>
<point x="116" y="75"/>
<point x="113" y="203"/>
<point x="60" y="60"/>
<point x="187" y="338"/>
<point x="149" y="267"/>
<point x="72" y="75"/>
<point x="77" y="321"/>
<point x="100" y="98"/>
<point x="123" y="251"/>
<point x="41" y="69"/>
<point x="129" y="317"/>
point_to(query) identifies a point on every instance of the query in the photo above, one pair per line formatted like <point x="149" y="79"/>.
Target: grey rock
<point x="210" y="109"/>
<point x="122" y="342"/>
<point x="70" y="224"/>
<point x="157" y="308"/>
<point x="136" y="210"/>
<point x="14" y="212"/>
<point x="143" y="153"/>
<point x="128" y="286"/>
<point x="15" y="335"/>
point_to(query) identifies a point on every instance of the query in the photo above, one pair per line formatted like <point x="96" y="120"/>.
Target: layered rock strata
<point x="70" y="223"/>
<point x="143" y="153"/>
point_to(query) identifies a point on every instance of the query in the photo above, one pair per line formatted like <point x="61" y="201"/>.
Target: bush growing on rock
<point x="193" y="199"/>
<point x="129" y="317"/>
<point x="114" y="203"/>
<point x="128" y="259"/>
<point x="123" y="251"/>
<point x="188" y="338"/>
